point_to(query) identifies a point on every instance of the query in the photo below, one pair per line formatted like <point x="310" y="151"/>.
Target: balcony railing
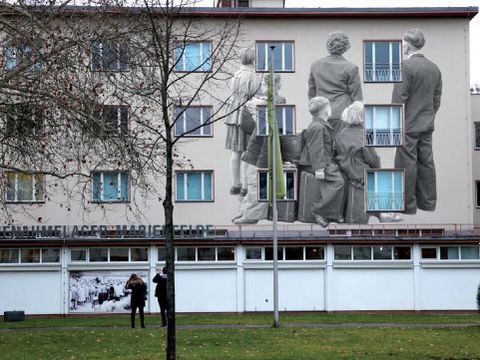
<point x="384" y="201"/>
<point x="383" y="137"/>
<point x="382" y="72"/>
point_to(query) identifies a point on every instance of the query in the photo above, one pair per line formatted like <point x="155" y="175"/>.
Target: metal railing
<point x="388" y="137"/>
<point x="382" y="72"/>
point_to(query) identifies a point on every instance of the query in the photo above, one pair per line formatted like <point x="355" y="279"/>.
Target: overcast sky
<point x="474" y="24"/>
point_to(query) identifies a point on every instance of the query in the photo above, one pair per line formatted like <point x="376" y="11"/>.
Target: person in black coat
<point x="161" y="293"/>
<point x="137" y="299"/>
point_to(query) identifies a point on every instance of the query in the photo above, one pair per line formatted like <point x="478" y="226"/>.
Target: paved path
<point x="253" y="326"/>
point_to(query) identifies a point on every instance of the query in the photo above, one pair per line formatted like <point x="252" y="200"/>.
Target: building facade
<point x="78" y="261"/>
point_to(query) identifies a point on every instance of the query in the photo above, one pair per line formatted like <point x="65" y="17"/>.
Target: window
<point x="290" y="181"/>
<point x="185" y="254"/>
<point x="294" y="253"/>
<point x="78" y="255"/>
<point x="194" y="56"/>
<point x="206" y="254"/>
<point x="342" y="253"/>
<point x="161" y="253"/>
<point x="108" y="56"/>
<point x="98" y="254"/>
<point x="110" y="186"/>
<point x="382" y="61"/>
<point x="429" y="253"/>
<point x="16" y="54"/>
<point x="369" y="253"/>
<point x="402" y="253"/>
<point x="477" y="135"/>
<point x="385" y="190"/>
<point x="193" y="117"/>
<point x="9" y="256"/>
<point x="113" y="119"/>
<point x="382" y="252"/>
<point x="23" y="120"/>
<point x="30" y="255"/>
<point x="194" y="186"/>
<point x="269" y="253"/>
<point x="384" y="125"/>
<point x="314" y="253"/>
<point x="119" y="254"/>
<point x="25" y="187"/>
<point x="139" y="254"/>
<point x="253" y="253"/>
<point x="50" y="255"/>
<point x="282" y="55"/>
<point x="362" y="253"/>
<point x="226" y="253"/>
<point x="469" y="252"/>
<point x="285" y="115"/>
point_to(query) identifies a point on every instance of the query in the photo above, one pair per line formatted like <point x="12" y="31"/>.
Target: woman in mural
<point x="353" y="158"/>
<point x="137" y="300"/>
<point x="245" y="84"/>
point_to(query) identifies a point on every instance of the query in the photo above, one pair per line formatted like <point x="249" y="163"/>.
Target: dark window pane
<point x="118" y="254"/>
<point x="477" y="135"/>
<point x="50" y="255"/>
<point x="261" y="57"/>
<point x="263" y="189"/>
<point x="314" y="253"/>
<point x="429" y="253"/>
<point x="477" y="185"/>
<point x="139" y="254"/>
<point x="110" y="57"/>
<point x="294" y="253"/>
<point x="96" y="56"/>
<point x="402" y="253"/>
<point x="254" y="253"/>
<point x="30" y="255"/>
<point x="449" y="253"/>
<point x="161" y="254"/>
<point x="9" y="256"/>
<point x="78" y="255"/>
<point x="226" y="253"/>
<point x="269" y="253"/>
<point x="98" y="254"/>
<point x="290" y="185"/>
<point x="362" y="253"/>
<point x="206" y="254"/>
<point x="342" y="253"/>
<point x="185" y="254"/>
<point x="124" y="57"/>
<point x="382" y="252"/>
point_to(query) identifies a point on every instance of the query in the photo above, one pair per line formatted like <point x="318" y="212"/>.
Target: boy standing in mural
<point x="316" y="158"/>
<point x="420" y="91"/>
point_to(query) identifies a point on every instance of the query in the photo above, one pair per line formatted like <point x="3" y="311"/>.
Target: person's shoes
<point x="321" y="221"/>
<point x="245" y="221"/>
<point x="235" y="190"/>
<point x="390" y="217"/>
<point x="243" y="192"/>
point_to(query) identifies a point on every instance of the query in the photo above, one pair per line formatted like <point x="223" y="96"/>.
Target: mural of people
<point x="353" y="158"/>
<point x="420" y="91"/>
<point x="255" y="157"/>
<point x="316" y="159"/>
<point x="335" y="78"/>
<point x="245" y="84"/>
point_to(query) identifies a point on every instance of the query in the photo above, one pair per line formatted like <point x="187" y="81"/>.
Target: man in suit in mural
<point x="420" y="91"/>
<point x="336" y="79"/>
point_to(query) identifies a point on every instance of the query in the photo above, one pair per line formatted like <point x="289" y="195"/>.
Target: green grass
<point x="247" y="319"/>
<point x="263" y="344"/>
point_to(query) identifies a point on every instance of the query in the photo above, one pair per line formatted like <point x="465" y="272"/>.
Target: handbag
<point x="247" y="123"/>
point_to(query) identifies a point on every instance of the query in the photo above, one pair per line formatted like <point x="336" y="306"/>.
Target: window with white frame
<point x="384" y="125"/>
<point x="289" y="179"/>
<point x="464" y="252"/>
<point x="194" y="120"/>
<point x="285" y="115"/>
<point x="204" y="253"/>
<point x="23" y="120"/>
<point x="283" y="55"/>
<point x="285" y="253"/>
<point x="110" y="186"/>
<point x="372" y="253"/>
<point x="16" y="54"/>
<point x="30" y="256"/>
<point x="114" y="254"/>
<point x="109" y="56"/>
<point x="385" y="190"/>
<point x="477" y="193"/>
<point x="113" y="119"/>
<point x="382" y="61"/>
<point x="193" y="57"/>
<point x="477" y="135"/>
<point x="194" y="186"/>
<point x="25" y="187"/>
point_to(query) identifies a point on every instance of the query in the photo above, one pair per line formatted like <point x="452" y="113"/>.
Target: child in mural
<point x="353" y="158"/>
<point x="245" y="84"/>
<point x="316" y="159"/>
<point x="255" y="157"/>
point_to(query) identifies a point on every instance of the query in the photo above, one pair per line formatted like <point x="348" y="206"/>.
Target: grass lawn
<point x="286" y="343"/>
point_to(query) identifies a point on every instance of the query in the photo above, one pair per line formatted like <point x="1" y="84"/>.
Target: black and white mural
<point x="100" y="291"/>
<point x="332" y="170"/>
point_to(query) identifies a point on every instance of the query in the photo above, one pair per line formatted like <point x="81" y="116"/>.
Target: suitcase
<point x="286" y="211"/>
<point x="13" y="316"/>
<point x="308" y="192"/>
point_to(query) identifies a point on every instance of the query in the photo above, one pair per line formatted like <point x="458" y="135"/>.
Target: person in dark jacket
<point x="420" y="91"/>
<point x="335" y="78"/>
<point x="161" y="293"/>
<point x="137" y="299"/>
